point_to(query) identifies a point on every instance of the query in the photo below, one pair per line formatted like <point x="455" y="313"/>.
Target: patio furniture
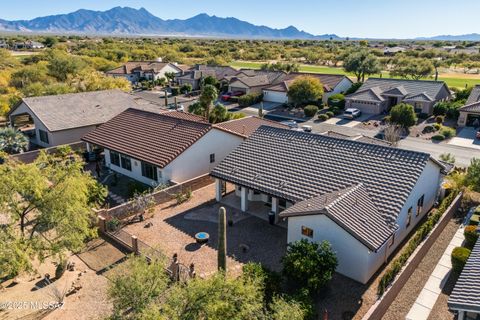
<point x="202" y="237"/>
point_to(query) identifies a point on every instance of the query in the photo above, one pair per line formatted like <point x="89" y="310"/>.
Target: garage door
<point x="275" y="96"/>
<point x="366" y="107"/>
<point x="473" y="120"/>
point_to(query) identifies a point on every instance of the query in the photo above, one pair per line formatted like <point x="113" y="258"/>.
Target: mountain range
<point x="130" y="21"/>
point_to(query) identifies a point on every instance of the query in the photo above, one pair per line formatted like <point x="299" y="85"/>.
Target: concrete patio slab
<point x="418" y="312"/>
<point x="434" y="284"/>
<point x="441" y="272"/>
<point x="445" y="261"/>
<point x="427" y="298"/>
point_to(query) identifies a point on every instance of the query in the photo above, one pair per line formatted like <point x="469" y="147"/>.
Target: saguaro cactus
<point x="222" y="239"/>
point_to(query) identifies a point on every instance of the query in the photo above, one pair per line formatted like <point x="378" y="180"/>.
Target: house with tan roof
<point x="195" y="74"/>
<point x="332" y="84"/>
<point x="379" y="95"/>
<point x="135" y="71"/>
<point x="169" y="147"/>
<point x="254" y="81"/>
<point x="470" y="112"/>
<point x="362" y="197"/>
<point x="62" y="119"/>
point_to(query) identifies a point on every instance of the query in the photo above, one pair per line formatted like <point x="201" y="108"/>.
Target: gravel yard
<point x="407" y="296"/>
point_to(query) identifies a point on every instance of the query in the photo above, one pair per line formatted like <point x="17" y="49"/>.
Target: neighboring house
<point x="332" y="84"/>
<point x="66" y="118"/>
<point x="170" y="147"/>
<point x="135" y="71"/>
<point x="470" y="113"/>
<point x="465" y="297"/>
<point x="393" y="51"/>
<point x="194" y="75"/>
<point x="379" y="95"/>
<point x="4" y="44"/>
<point x="254" y="81"/>
<point x="28" y="45"/>
<point x="363" y="198"/>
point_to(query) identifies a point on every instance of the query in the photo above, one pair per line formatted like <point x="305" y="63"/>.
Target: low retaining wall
<point x="126" y="210"/>
<point x="377" y="311"/>
<point x="31" y="156"/>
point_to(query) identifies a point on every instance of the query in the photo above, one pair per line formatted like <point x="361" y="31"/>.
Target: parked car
<point x="352" y="113"/>
<point x="307" y="128"/>
<point x="179" y="107"/>
<point x="478" y="134"/>
<point x="228" y="95"/>
<point x="291" y="123"/>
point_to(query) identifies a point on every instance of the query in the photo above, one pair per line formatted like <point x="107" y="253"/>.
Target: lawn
<point x="452" y="80"/>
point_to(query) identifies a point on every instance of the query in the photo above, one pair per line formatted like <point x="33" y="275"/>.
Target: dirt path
<point x="407" y="296"/>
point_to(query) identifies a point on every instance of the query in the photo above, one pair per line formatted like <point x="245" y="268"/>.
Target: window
<point x="43" y="136"/>
<point x="420" y="204"/>
<point x="149" y="171"/>
<point x="126" y="162"/>
<point x="282" y="203"/>
<point x="115" y="158"/>
<point x="409" y="216"/>
<point x="212" y="158"/>
<point x="307" y="232"/>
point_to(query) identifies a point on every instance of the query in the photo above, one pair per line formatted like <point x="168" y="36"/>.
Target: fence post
<point x="102" y="224"/>
<point x="135" y="245"/>
<point x="192" y="272"/>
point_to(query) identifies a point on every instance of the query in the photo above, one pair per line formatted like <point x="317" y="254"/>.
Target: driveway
<point x="466" y="138"/>
<point x="339" y="121"/>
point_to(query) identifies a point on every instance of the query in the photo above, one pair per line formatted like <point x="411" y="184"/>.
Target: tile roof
<point x="414" y="89"/>
<point x="474" y="95"/>
<point x="151" y="137"/>
<point x="297" y="166"/>
<point x="351" y="208"/>
<point x="75" y="110"/>
<point x="199" y="71"/>
<point x="329" y="81"/>
<point x="244" y="127"/>
<point x="466" y="293"/>
<point x="259" y="78"/>
<point x="474" y="107"/>
<point x="131" y="66"/>
<point x="360" y="138"/>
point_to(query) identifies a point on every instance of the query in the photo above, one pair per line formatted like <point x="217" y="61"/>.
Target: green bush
<point x="330" y="114"/>
<point x="249" y="99"/>
<point x="438" y="137"/>
<point x="459" y="258"/>
<point x="428" y="129"/>
<point x="437" y="126"/>
<point x="404" y="115"/>
<point x="134" y="187"/>
<point x="336" y="111"/>
<point x="471" y="236"/>
<point x="60" y="269"/>
<point x="304" y="297"/>
<point x="113" y="224"/>
<point x="353" y="88"/>
<point x="439" y="119"/>
<point x="440" y="109"/>
<point x="322" y="117"/>
<point x="186" y="88"/>
<point x="310" y="111"/>
<point x="448" y="132"/>
<point x="271" y="281"/>
<point x="175" y="91"/>
<point x="336" y="100"/>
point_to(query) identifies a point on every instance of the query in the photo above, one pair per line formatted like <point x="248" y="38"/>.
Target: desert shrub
<point x="438" y="137"/>
<point x="440" y="109"/>
<point x="330" y="114"/>
<point x="459" y="258"/>
<point x="336" y="100"/>
<point x="471" y="236"/>
<point x="175" y="91"/>
<point x="186" y="88"/>
<point x="271" y="281"/>
<point x="134" y="187"/>
<point x="404" y="115"/>
<point x="249" y="99"/>
<point x="317" y="260"/>
<point x="182" y="197"/>
<point x="428" y="129"/>
<point x="310" y="110"/>
<point x="437" y="126"/>
<point x="60" y="269"/>
<point x="305" y="299"/>
<point x="322" y="117"/>
<point x="448" y="132"/>
<point x="113" y="224"/>
<point x="439" y="119"/>
<point x="335" y="110"/>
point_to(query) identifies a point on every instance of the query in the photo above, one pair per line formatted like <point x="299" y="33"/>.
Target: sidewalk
<point x="428" y="296"/>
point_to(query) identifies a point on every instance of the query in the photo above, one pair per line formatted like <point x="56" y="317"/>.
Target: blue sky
<point x="354" y="18"/>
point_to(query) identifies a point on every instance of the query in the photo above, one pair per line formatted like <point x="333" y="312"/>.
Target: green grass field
<point x="455" y="80"/>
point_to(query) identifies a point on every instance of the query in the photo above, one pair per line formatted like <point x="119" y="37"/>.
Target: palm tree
<point x="12" y="141"/>
<point x="207" y="98"/>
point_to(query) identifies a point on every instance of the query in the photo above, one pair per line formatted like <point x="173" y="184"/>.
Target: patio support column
<point x="218" y="189"/>
<point x="461" y="315"/>
<point x="244" y="199"/>
<point x="275" y="208"/>
<point x="88" y="147"/>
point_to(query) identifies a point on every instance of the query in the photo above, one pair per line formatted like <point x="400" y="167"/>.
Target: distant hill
<point x="464" y="37"/>
<point x="129" y="21"/>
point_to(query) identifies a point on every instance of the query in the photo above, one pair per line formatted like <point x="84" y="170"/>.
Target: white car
<point x="307" y="128"/>
<point x="352" y="113"/>
<point x="291" y="123"/>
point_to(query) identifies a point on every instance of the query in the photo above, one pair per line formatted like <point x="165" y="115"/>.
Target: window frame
<point x="43" y="136"/>
<point x="125" y="162"/>
<point x="409" y="217"/>
<point x="149" y="168"/>
<point x="307" y="232"/>
<point x="115" y="158"/>
<point x="212" y="157"/>
<point x="420" y="203"/>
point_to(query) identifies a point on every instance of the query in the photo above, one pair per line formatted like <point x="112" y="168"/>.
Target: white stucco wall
<point x="343" y="86"/>
<point x="195" y="161"/>
<point x="275" y="96"/>
<point x="354" y="259"/>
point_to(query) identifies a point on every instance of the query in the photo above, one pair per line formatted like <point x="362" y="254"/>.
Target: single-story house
<point x="379" y="95"/>
<point x="363" y="198"/>
<point x="4" y="44"/>
<point x="332" y="84"/>
<point x="169" y="147"/>
<point x="470" y="113"/>
<point x="61" y="119"/>
<point x="465" y="297"/>
<point x="135" y="71"/>
<point x="254" y="81"/>
<point x="393" y="51"/>
<point x="194" y="75"/>
<point x="29" y="45"/>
